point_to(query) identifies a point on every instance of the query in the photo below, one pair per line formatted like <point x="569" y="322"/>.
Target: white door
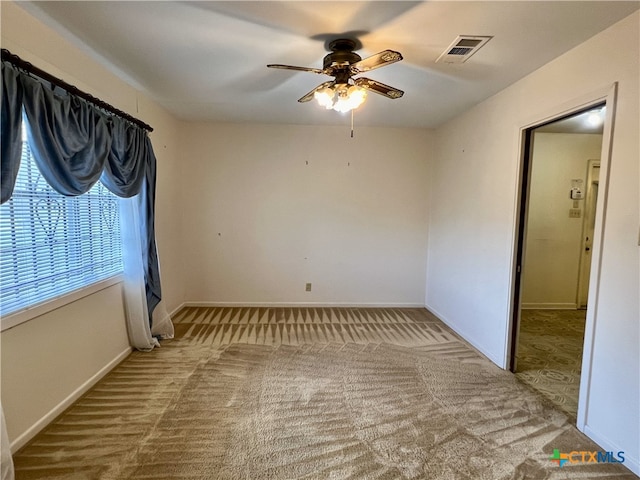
<point x="588" y="225"/>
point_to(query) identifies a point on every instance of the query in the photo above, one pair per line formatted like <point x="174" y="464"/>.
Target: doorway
<point x="560" y="180"/>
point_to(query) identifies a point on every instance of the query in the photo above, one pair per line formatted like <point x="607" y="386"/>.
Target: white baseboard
<point x="549" y="306"/>
<point x="467" y="339"/>
<point x="32" y="431"/>
<point x="177" y="309"/>
<point x="630" y="461"/>
<point x="302" y="304"/>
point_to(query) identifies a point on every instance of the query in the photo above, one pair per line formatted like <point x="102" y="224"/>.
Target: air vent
<point x="462" y="48"/>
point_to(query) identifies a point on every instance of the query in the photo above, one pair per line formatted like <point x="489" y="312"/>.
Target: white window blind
<point x="51" y="245"/>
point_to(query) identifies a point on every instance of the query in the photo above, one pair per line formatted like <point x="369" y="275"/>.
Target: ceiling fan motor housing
<point x="342" y="53"/>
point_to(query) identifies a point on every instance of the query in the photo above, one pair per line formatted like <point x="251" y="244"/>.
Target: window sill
<point x="22" y="316"/>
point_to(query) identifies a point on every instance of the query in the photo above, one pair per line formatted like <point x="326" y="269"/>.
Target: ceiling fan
<point x="345" y="93"/>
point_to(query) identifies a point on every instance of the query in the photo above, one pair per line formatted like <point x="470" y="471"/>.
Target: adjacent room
<point x="345" y="240"/>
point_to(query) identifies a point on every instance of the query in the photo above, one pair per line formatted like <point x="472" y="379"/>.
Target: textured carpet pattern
<point x="293" y="326"/>
<point x="550" y="355"/>
<point x="329" y="394"/>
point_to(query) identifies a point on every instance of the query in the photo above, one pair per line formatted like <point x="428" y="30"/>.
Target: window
<point x="51" y="245"/>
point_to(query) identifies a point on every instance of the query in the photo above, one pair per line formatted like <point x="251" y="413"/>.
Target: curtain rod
<point x="28" y="67"/>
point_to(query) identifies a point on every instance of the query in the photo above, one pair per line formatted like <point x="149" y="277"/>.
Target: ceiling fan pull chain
<point x="352" y="123"/>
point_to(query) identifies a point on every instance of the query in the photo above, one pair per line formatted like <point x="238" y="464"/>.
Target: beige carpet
<point x="550" y="355"/>
<point x="309" y="394"/>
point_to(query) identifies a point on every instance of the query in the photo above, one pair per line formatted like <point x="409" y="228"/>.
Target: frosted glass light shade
<point x="342" y="98"/>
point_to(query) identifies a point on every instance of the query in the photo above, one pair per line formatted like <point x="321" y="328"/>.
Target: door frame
<point x="585" y="245"/>
<point x="607" y="96"/>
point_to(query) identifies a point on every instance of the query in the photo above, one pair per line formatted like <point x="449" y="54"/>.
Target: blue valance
<point x="11" y="143"/>
<point x="74" y="145"/>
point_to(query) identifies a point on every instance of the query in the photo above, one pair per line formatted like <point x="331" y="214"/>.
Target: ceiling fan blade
<point x="386" y="57"/>
<point x="377" y="87"/>
<point x="291" y="67"/>
<point x="309" y="95"/>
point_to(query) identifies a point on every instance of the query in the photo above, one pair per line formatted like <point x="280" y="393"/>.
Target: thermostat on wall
<point x="576" y="189"/>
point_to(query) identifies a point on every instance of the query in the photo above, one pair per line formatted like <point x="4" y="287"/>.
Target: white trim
<point x="32" y="431"/>
<point x="301" y="304"/>
<point x="177" y="309"/>
<point x="610" y="98"/>
<point x="471" y="341"/>
<point x="631" y="462"/>
<point x="583" y="102"/>
<point x="549" y="306"/>
<point x="39" y="309"/>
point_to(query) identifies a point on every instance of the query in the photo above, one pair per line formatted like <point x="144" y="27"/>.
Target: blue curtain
<point x="149" y="252"/>
<point x="74" y="145"/>
<point x="125" y="166"/>
<point x="11" y="144"/>
<point x="69" y="138"/>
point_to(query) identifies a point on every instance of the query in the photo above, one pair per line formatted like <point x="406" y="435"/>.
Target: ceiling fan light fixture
<point x="357" y="96"/>
<point x="341" y="98"/>
<point x="325" y="97"/>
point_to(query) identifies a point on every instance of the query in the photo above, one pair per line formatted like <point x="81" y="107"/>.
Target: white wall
<point x="473" y="212"/>
<point x="50" y="359"/>
<point x="270" y="208"/>
<point x="554" y="241"/>
<point x="45" y="361"/>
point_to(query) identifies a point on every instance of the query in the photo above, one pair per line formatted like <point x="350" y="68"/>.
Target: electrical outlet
<point x="575" y="213"/>
<point x="307" y="287"/>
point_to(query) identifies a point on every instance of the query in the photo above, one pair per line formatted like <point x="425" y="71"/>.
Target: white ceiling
<point x="206" y="61"/>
